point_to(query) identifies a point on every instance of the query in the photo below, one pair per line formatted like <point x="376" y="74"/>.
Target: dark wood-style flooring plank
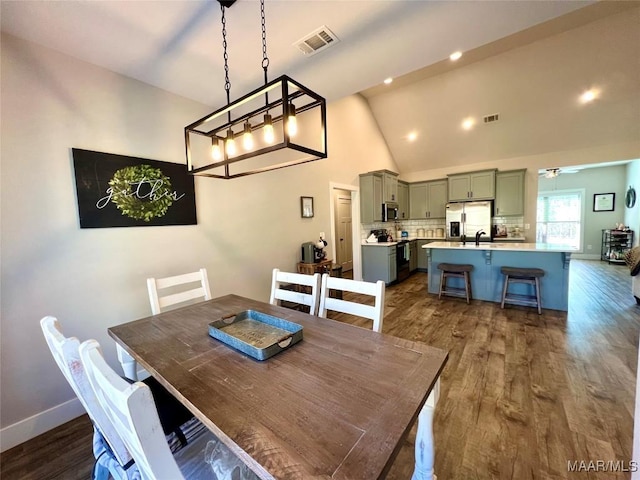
<point x="521" y="396"/>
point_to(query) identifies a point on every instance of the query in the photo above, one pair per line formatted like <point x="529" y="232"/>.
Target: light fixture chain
<point x="227" y="83"/>
<point x="265" y="58"/>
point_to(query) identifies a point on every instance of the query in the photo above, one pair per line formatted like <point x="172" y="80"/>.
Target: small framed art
<point x="604" y="202"/>
<point x="306" y="207"/>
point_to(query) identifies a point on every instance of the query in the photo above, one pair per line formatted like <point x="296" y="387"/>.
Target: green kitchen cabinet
<point x="390" y="186"/>
<point x="422" y="255"/>
<point x="472" y="186"/>
<point x="403" y="200"/>
<point x="370" y="197"/>
<point x="427" y="199"/>
<point x="510" y="193"/>
<point x="413" y="255"/>
<point x="379" y="263"/>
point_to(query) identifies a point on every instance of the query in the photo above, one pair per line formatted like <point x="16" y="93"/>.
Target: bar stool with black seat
<point x="455" y="270"/>
<point x="529" y="276"/>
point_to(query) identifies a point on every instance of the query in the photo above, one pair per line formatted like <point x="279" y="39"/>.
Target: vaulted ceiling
<point x="177" y="45"/>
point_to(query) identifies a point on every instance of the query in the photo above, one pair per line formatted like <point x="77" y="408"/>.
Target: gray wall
<point x="593" y="180"/>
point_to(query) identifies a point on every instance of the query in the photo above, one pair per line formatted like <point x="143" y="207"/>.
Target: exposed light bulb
<point x="230" y="144"/>
<point x="247" y="137"/>
<point x="292" y="122"/>
<point x="455" y="56"/>
<point x="412" y="136"/>
<point x="216" y="153"/>
<point x="268" y="129"/>
<point x="387" y="81"/>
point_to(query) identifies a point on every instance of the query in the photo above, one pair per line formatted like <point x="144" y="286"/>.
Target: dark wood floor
<point x="522" y="394"/>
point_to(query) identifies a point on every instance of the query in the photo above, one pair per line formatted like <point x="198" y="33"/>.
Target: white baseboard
<point x="40" y="423"/>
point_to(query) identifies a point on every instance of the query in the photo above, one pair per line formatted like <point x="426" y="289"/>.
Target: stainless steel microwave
<point x="389" y="212"/>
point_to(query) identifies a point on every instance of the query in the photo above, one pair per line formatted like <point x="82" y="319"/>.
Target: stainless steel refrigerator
<point x="468" y="218"/>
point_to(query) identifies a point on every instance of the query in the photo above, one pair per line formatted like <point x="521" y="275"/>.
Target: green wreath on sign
<point x="141" y="192"/>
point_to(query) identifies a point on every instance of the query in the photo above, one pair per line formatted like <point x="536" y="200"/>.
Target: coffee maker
<point x="314" y="252"/>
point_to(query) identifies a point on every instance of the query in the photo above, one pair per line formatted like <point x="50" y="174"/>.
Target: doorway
<point x="343" y="228"/>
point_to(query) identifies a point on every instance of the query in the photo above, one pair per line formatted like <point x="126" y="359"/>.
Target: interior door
<point x="344" y="239"/>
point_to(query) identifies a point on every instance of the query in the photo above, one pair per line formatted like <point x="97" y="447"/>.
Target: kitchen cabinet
<point x="615" y="243"/>
<point x="509" y="193"/>
<point x="376" y="188"/>
<point x="370" y="197"/>
<point x="472" y="186"/>
<point x="427" y="199"/>
<point x="403" y="200"/>
<point x="379" y="263"/>
<point x="413" y="255"/>
<point x="422" y="255"/>
<point x="390" y="186"/>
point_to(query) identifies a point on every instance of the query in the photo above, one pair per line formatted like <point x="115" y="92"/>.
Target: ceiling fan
<point x="554" y="172"/>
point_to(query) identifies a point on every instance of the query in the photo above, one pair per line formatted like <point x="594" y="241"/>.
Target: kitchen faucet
<point x="478" y="233"/>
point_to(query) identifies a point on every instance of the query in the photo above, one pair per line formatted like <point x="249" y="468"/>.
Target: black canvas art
<point x="120" y="191"/>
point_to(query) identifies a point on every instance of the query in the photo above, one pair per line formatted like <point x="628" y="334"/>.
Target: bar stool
<point x="455" y="270"/>
<point x="529" y="276"/>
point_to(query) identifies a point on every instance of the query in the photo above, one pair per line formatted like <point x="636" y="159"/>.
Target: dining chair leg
<point x="424" y="449"/>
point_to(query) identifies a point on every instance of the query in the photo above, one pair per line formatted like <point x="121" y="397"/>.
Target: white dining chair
<point x="373" y="312"/>
<point x="65" y="351"/>
<point x="163" y="294"/>
<point x="298" y="296"/>
<point x="131" y="409"/>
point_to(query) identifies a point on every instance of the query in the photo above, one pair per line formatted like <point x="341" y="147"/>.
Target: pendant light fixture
<point x="280" y="124"/>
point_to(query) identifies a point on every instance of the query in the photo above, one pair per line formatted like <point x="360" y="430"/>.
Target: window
<point x="559" y="218"/>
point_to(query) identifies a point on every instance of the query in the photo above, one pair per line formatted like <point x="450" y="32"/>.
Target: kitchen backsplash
<point x="411" y="226"/>
<point x="514" y="226"/>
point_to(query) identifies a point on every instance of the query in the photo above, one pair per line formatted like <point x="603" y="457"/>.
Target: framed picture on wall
<point x="306" y="207"/>
<point x="121" y="191"/>
<point x="604" y="202"/>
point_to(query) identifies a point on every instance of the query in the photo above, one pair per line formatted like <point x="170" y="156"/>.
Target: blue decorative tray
<point x="255" y="333"/>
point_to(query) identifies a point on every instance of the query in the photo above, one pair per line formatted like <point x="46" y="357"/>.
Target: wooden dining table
<point x="336" y="405"/>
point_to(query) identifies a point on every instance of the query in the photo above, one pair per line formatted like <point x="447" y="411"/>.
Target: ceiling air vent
<point x="316" y="41"/>
<point x="491" y="118"/>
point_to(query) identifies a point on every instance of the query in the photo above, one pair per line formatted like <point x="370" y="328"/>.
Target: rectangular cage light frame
<point x="278" y="86"/>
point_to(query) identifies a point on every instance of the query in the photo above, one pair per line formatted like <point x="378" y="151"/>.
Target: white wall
<point x="95" y="278"/>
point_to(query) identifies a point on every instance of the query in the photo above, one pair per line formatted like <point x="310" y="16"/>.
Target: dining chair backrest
<point x="296" y="296"/>
<point x="159" y="302"/>
<point x="66" y="353"/>
<point x="373" y="312"/>
<point x="131" y="409"/>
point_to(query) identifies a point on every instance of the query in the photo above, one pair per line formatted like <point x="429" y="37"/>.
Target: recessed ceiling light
<point x="387" y="81"/>
<point x="589" y="96"/>
<point x="455" y="56"/>
<point x="468" y="123"/>
<point x="412" y="136"/>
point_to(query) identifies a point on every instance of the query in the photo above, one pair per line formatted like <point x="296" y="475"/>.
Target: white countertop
<point x="513" y="247"/>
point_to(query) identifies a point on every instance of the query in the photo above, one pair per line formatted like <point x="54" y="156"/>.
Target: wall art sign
<point x="604" y="202"/>
<point x="120" y="191"/>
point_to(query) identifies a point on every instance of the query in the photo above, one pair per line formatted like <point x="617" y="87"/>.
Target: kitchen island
<point x="488" y="258"/>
